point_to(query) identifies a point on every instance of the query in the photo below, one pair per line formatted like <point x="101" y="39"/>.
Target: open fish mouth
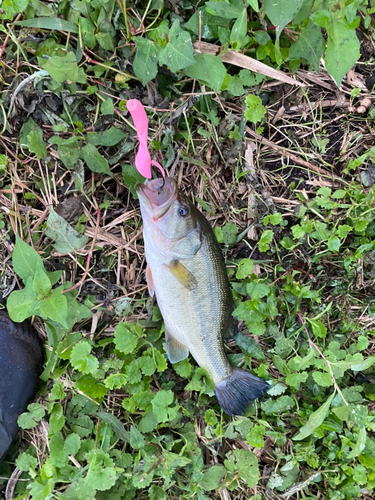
<point x="156" y="196"/>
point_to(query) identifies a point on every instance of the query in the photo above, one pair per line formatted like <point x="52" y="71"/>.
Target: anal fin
<point x="150" y="281"/>
<point x="175" y="350"/>
<point x="182" y="274"/>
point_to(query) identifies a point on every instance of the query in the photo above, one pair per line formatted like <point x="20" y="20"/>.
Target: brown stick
<point x="243" y="61"/>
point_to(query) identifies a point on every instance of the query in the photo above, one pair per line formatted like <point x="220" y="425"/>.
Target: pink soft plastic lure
<point x="143" y="160"/>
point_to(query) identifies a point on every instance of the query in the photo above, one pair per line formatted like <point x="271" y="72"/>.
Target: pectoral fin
<point x="175" y="350"/>
<point x="150" y="281"/>
<point x="183" y="275"/>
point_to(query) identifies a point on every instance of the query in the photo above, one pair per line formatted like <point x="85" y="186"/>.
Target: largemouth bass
<point x="186" y="271"/>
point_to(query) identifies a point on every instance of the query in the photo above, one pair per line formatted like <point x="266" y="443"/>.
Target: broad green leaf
<point x="277" y="406"/>
<point x="41" y="283"/>
<point x="125" y="341"/>
<point x="109" y="137"/>
<point x="3" y="162"/>
<point x="359" y="445"/>
<point x="72" y="444"/>
<point x="296" y="379"/>
<point x="315" y="420"/>
<point x="250" y="347"/>
<point x="178" y="53"/>
<point x="255" y="437"/>
<point x="11" y="7"/>
<point x="257" y="290"/>
<point x="210" y="417"/>
<point x="148" y="423"/>
<point x="87" y="32"/>
<point x="318" y="328"/>
<point x="145" y="62"/>
<point x="277" y="389"/>
<point x="342" y="231"/>
<point x="22" y="304"/>
<point x="106" y="107"/>
<point x="79" y="489"/>
<point x="115" y="380"/>
<point x="65" y="238"/>
<point x="281" y="12"/>
<point x="56" y="418"/>
<point x="256" y="327"/>
<point x="161" y="362"/>
<point x="246" y="466"/>
<point x="254" y="4"/>
<point x="342" y="45"/>
<point x="48" y="23"/>
<point x="31" y="133"/>
<point x="54" y="276"/>
<point x="245" y="268"/>
<point x="65" y="68"/>
<point x="55" y="307"/>
<point x="92" y="387"/>
<point x="360" y="366"/>
<point x="213" y="477"/>
<point x="334" y="243"/>
<point x="25" y="260"/>
<point x="358" y="414"/>
<point x="322" y="378"/>
<point x="201" y="382"/>
<point x="143" y="399"/>
<point x="105" y="40"/>
<point x="26" y="462"/>
<point x="67" y="149"/>
<point x="219" y="234"/>
<point x="160" y="405"/>
<point x="175" y="460"/>
<point x="224" y="9"/>
<point x="81" y="359"/>
<point x="230" y="232"/>
<point x="310" y="46"/>
<point x="65" y="347"/>
<point x="101" y="471"/>
<point x="94" y="160"/>
<point x="208" y="69"/>
<point x="131" y="178"/>
<point x="115" y="425"/>
<point x="183" y="368"/>
<point x="136" y="439"/>
<point x="157" y="493"/>
<point x="362" y="343"/>
<point x="56" y="445"/>
<point x="274" y="219"/>
<point x="36" y="144"/>
<point x="32" y="417"/>
<point x="368" y="461"/>
<point x="209" y="24"/>
<point x="239" y="29"/>
<point x="255" y="110"/>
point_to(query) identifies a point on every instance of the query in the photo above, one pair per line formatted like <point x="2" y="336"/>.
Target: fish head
<point x="165" y="209"/>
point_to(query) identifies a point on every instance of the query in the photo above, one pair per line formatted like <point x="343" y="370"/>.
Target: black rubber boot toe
<point x="21" y="363"/>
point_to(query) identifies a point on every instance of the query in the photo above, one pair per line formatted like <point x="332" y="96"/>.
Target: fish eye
<point x="182" y="211"/>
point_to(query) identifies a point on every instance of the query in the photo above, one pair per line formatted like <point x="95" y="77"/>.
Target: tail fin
<point x="236" y="391"/>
